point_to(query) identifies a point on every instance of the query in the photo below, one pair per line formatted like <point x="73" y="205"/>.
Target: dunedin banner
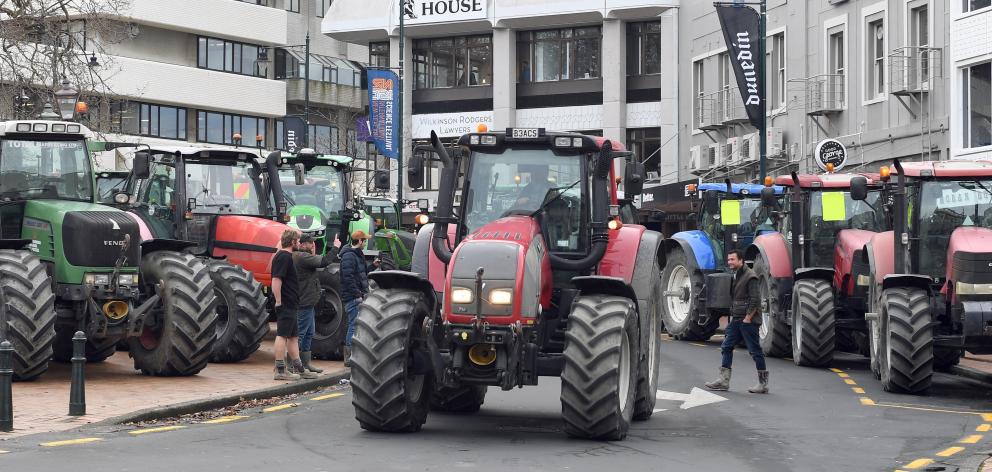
<point x="740" y="30"/>
<point x="383" y="103"/>
<point x="294" y="128"/>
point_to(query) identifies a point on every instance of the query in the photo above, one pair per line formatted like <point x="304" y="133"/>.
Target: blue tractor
<point x="695" y="282"/>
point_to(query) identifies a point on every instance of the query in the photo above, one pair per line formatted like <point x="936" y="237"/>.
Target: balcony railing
<point x="913" y="70"/>
<point x="733" y="106"/>
<point x="708" y="111"/>
<point x="825" y="94"/>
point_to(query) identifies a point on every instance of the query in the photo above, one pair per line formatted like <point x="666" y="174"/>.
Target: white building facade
<point x="602" y="67"/>
<point x="971" y="93"/>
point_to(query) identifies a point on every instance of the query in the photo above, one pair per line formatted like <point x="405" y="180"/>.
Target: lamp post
<point x="66" y="98"/>
<point x="399" y="122"/>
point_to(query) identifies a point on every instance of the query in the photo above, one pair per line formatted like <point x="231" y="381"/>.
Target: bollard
<point x="6" y="391"/>
<point x="77" y="391"/>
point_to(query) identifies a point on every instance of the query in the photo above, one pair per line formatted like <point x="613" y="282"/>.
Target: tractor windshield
<point x="520" y="181"/>
<point x="943" y="207"/>
<point x="832" y="211"/>
<point x="45" y="169"/>
<point x="383" y="211"/>
<point x="108" y="184"/>
<point x="322" y="191"/>
<point x="223" y="188"/>
<point x="754" y="219"/>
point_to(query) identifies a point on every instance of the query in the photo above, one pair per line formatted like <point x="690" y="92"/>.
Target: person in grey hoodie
<point x="307" y="264"/>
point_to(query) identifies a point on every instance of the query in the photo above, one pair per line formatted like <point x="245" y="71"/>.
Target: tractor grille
<point x="95" y="238"/>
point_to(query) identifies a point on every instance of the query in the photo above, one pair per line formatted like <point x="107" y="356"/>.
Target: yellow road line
<point x="280" y="407"/>
<point x="918" y="463"/>
<point x="935" y="410"/>
<point x="867" y="401"/>
<point x="163" y="429"/>
<point x="836" y="370"/>
<point x="983" y="427"/>
<point x="327" y="397"/>
<point x="974" y="438"/>
<point x="224" y="419"/>
<point x="850" y="382"/>
<point x="842" y="375"/>
<point x="697" y="344"/>
<point x="950" y="451"/>
<point x="70" y="442"/>
<point x="987" y="416"/>
<point x="858" y="390"/>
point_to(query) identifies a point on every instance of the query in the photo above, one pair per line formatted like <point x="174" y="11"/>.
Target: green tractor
<point x="68" y="263"/>
<point x="393" y="243"/>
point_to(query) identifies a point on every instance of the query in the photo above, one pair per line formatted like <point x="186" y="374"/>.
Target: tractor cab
<point x="732" y="214"/>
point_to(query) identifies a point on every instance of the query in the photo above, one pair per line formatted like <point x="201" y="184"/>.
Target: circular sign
<point x="830" y="151"/>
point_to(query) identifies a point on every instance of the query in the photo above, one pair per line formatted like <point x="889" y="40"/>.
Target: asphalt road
<point x="813" y="420"/>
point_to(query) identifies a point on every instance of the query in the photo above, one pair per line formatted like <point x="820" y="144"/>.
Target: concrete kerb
<point x="213" y="403"/>
<point x="973" y="374"/>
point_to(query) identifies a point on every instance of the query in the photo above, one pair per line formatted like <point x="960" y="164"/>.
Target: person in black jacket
<point x="354" y="284"/>
<point x="307" y="265"/>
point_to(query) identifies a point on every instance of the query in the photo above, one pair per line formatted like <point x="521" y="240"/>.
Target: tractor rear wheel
<point x="388" y="394"/>
<point x="813" y="323"/>
<point x="242" y="321"/>
<point x="599" y="380"/>
<point x="906" y="348"/>
<point x="26" y="295"/>
<point x="330" y="320"/>
<point x="774" y="334"/>
<point x="463" y="399"/>
<point x="97" y="349"/>
<point x="647" y="372"/>
<point x="944" y="358"/>
<point x="183" y="339"/>
<point x="681" y="287"/>
<point x="875" y="330"/>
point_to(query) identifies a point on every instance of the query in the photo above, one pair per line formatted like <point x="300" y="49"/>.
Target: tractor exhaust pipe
<point x="795" y="212"/>
<point x="900" y="235"/>
<point x="445" y="201"/>
<point x="275" y="186"/>
<point x="600" y="216"/>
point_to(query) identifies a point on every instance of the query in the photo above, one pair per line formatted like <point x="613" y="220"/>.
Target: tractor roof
<point x="206" y="152"/>
<point x="346" y="160"/>
<point x="827" y="180"/>
<point x="947" y="169"/>
<point x="40" y="127"/>
<point x="537" y="136"/>
<point x="736" y="189"/>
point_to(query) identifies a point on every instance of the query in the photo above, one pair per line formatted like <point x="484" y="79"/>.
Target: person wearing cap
<point x="354" y="284"/>
<point x="307" y="264"/>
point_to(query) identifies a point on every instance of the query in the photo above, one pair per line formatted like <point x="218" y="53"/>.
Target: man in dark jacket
<point x="745" y="318"/>
<point x="354" y="284"/>
<point x="307" y="265"/>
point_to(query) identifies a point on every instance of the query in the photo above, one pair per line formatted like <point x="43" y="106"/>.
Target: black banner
<point x="294" y="129"/>
<point x="740" y="30"/>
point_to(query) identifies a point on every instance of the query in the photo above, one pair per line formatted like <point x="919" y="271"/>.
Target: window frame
<point x="776" y="79"/>
<point x="147" y="108"/>
<point x="698" y="89"/>
<point x="425" y="66"/>
<point x="639" y="31"/>
<point x="229" y="128"/>
<point x="566" y="39"/>
<point x="228" y="65"/>
<point x="967" y="9"/>
<point x="832" y="28"/>
<point x="966" y="106"/>
<point x="288" y="5"/>
<point x="872" y="14"/>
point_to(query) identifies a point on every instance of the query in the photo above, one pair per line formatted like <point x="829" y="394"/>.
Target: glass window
<point x="157" y="120"/>
<point x="379" y="55"/>
<point x="220" y="188"/>
<point x="644" y="48"/>
<point x="219" y="128"/>
<point x="945" y="206"/>
<point x="228" y="56"/>
<point x="320" y="7"/>
<point x="838" y="65"/>
<point x="645" y="144"/>
<point x="875" y="76"/>
<point x="563" y="54"/>
<point x="280" y="131"/>
<point x="823" y="231"/>
<point x="698" y="89"/>
<point x="292" y="5"/>
<point x="323" y="188"/>
<point x="977" y="89"/>
<point x="776" y="73"/>
<point x="452" y="62"/>
<point x="972" y="5"/>
<point x="45" y="169"/>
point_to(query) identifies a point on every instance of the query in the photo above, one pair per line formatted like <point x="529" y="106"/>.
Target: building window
<point x="228" y="56"/>
<point x="349" y="144"/>
<point x="776" y="71"/>
<point x="256" y="2"/>
<point x="320" y="7"/>
<point x="463" y="61"/>
<point x="644" y="48"/>
<point x="292" y="65"/>
<point x="158" y="121"/>
<point x="280" y="134"/>
<point x="972" y="5"/>
<point x="726" y="84"/>
<point x="323" y="139"/>
<point x="875" y="66"/>
<point x="379" y="55"/>
<point x="698" y="87"/>
<point x="977" y="88"/>
<point x="220" y="128"/>
<point x="836" y="61"/>
<point x="561" y="54"/>
<point x="293" y="6"/>
<point x="645" y="144"/>
<point x="919" y="38"/>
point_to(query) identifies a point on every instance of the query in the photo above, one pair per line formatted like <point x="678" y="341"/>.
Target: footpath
<point x="116" y="393"/>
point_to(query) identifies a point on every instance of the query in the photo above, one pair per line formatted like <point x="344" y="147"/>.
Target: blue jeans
<point x="351" y="308"/>
<point x="736" y="330"/>
<point x="306" y="327"/>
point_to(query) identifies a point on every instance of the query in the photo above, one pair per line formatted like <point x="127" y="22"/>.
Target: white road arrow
<point x="695" y="397"/>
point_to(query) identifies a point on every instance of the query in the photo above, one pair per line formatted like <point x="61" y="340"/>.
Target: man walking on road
<point x="745" y="318"/>
<point x="307" y="263"/>
<point x="354" y="284"/>
<point x="286" y="290"/>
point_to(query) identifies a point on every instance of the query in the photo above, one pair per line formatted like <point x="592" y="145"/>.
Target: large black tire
<point x="774" y="334"/>
<point x="464" y="399"/>
<point x="97" y="349"/>
<point x="183" y="340"/>
<point x="945" y="358"/>
<point x="386" y="261"/>
<point x="26" y="292"/>
<point x="647" y="371"/>
<point x="875" y="330"/>
<point x="387" y="394"/>
<point x="681" y="287"/>
<point x="330" y="319"/>
<point x="813" y="325"/>
<point x="598" y="382"/>
<point x="242" y="320"/>
<point x="906" y="360"/>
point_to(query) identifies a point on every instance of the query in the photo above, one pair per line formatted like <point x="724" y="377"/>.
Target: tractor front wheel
<point x="647" y="372"/>
<point x="774" y="334"/>
<point x="599" y="380"/>
<point x="945" y="358"/>
<point x="330" y="320"/>
<point x="906" y="348"/>
<point x="813" y="323"/>
<point x="26" y="295"/>
<point x="182" y="340"/>
<point x="388" y="394"/>
<point x="242" y="321"/>
<point x="681" y="288"/>
<point x="463" y="399"/>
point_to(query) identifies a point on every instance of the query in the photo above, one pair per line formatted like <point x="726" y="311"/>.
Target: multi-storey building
<point x="971" y="79"/>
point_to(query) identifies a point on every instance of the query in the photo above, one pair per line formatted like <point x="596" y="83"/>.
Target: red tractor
<point x="809" y="270"/>
<point x="931" y="276"/>
<point x="536" y="276"/>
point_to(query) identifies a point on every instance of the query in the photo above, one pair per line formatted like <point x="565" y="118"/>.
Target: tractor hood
<point x="306" y="218"/>
<point x="849" y="241"/>
<point x="249" y="242"/>
<point x="969" y="262"/>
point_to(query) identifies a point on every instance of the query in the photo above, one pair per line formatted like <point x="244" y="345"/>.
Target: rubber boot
<point x="306" y="357"/>
<point x="347" y="356"/>
<point x="762" y="385"/>
<point x="283" y="373"/>
<point x="297" y="368"/>
<point x="722" y="383"/>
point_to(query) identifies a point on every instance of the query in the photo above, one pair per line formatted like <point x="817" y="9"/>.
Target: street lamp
<point x="66" y="98"/>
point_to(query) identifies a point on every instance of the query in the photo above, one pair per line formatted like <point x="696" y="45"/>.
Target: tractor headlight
<point x="127" y="279"/>
<point x="462" y="295"/>
<point x="96" y="279"/>
<point x="501" y="296"/>
<point x="963" y="288"/>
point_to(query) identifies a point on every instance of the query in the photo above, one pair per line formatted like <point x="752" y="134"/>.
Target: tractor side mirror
<point x="141" y="165"/>
<point x="415" y="171"/>
<point x="633" y="179"/>
<point x="382" y="180"/>
<point x="768" y="198"/>
<point x="299" y="173"/>
<point x="859" y="188"/>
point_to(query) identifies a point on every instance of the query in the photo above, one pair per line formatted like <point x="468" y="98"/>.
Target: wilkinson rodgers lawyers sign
<point x="435" y="11"/>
